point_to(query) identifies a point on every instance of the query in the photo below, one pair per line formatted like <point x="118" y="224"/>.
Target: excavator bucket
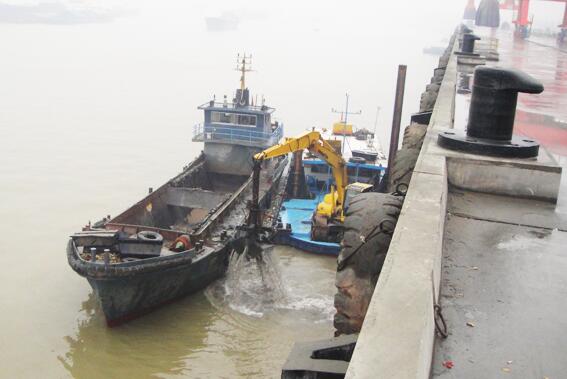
<point x="247" y="243"/>
<point x="253" y="249"/>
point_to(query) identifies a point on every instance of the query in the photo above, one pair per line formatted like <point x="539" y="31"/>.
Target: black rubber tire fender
<point x="414" y="134"/>
<point x="402" y="170"/>
<point x="427" y="101"/>
<point x="369" y="224"/>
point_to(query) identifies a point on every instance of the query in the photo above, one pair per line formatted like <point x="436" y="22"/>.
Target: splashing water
<point x="251" y="286"/>
<point x="256" y="287"/>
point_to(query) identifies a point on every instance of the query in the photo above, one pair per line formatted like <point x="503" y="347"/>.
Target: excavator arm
<point x="313" y="142"/>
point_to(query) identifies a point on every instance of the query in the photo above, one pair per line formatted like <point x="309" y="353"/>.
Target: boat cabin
<point x="365" y="162"/>
<point x="238" y="122"/>
<point x="234" y="131"/>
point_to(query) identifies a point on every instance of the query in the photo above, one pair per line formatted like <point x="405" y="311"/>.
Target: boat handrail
<point x="236" y="135"/>
<point x="222" y="105"/>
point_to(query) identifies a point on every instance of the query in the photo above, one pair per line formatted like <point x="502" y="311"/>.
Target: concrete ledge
<point x="513" y="178"/>
<point x="529" y="178"/>
<point x="396" y="340"/>
<point x="472" y="61"/>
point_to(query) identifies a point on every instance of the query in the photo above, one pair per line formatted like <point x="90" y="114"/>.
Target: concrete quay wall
<point x="398" y="335"/>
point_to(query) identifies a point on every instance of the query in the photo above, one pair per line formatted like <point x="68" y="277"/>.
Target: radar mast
<point x="244" y="65"/>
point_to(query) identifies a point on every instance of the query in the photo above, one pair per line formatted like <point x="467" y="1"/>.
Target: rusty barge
<point x="178" y="239"/>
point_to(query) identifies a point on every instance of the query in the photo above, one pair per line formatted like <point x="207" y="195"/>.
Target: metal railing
<point x="218" y="104"/>
<point x="239" y="136"/>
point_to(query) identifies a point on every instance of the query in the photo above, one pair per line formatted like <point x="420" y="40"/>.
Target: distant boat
<point x="434" y="50"/>
<point x="227" y="21"/>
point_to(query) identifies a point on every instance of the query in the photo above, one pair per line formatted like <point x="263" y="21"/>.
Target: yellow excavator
<point x="329" y="215"/>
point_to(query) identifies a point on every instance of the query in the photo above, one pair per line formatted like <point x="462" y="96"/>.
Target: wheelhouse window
<point x="221" y="117"/>
<point x="233" y="118"/>
<point x="367" y="173"/>
<point x="319" y="169"/>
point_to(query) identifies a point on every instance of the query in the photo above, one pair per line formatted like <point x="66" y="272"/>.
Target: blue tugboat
<point x="234" y="132"/>
<point x="178" y="238"/>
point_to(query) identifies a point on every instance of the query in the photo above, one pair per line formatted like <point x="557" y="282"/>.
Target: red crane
<point x="522" y="20"/>
<point x="524" y="7"/>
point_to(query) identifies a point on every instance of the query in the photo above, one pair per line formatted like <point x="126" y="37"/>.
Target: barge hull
<point x="129" y="289"/>
<point x="126" y="298"/>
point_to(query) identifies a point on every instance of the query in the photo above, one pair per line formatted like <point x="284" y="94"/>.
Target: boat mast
<point x="376" y="121"/>
<point x="346" y="113"/>
<point x="241" y="65"/>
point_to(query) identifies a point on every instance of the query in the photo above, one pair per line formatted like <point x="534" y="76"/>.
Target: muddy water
<point x="97" y="103"/>
<point x="214" y="333"/>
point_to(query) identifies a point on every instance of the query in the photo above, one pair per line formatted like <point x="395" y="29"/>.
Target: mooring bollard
<point x="467" y="47"/>
<point x="464" y="30"/>
<point x="491" y="115"/>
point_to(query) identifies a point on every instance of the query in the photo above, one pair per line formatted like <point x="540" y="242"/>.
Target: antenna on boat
<point x="346" y="113"/>
<point x="376" y="120"/>
<point x="244" y="65"/>
<point x="374" y="134"/>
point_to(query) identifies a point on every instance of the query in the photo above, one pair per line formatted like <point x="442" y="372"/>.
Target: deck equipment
<point x="329" y="216"/>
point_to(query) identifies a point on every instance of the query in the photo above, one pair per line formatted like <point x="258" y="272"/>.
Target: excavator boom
<point x="314" y="142"/>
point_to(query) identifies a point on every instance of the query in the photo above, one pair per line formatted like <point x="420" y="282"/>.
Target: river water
<point x="97" y="103"/>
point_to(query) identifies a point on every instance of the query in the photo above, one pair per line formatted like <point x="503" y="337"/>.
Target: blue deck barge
<point x="298" y="213"/>
<point x="365" y="163"/>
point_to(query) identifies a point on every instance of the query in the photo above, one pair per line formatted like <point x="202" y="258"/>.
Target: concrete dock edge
<point x="397" y="336"/>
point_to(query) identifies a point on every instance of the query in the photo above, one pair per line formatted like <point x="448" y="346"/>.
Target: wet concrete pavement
<point x="503" y="289"/>
<point x="503" y="282"/>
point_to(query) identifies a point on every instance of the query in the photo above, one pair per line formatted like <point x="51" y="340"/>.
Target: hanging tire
<point x="148" y="235"/>
<point x="402" y="169"/>
<point x="369" y="224"/>
<point x="414" y="135"/>
<point x="429" y="97"/>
